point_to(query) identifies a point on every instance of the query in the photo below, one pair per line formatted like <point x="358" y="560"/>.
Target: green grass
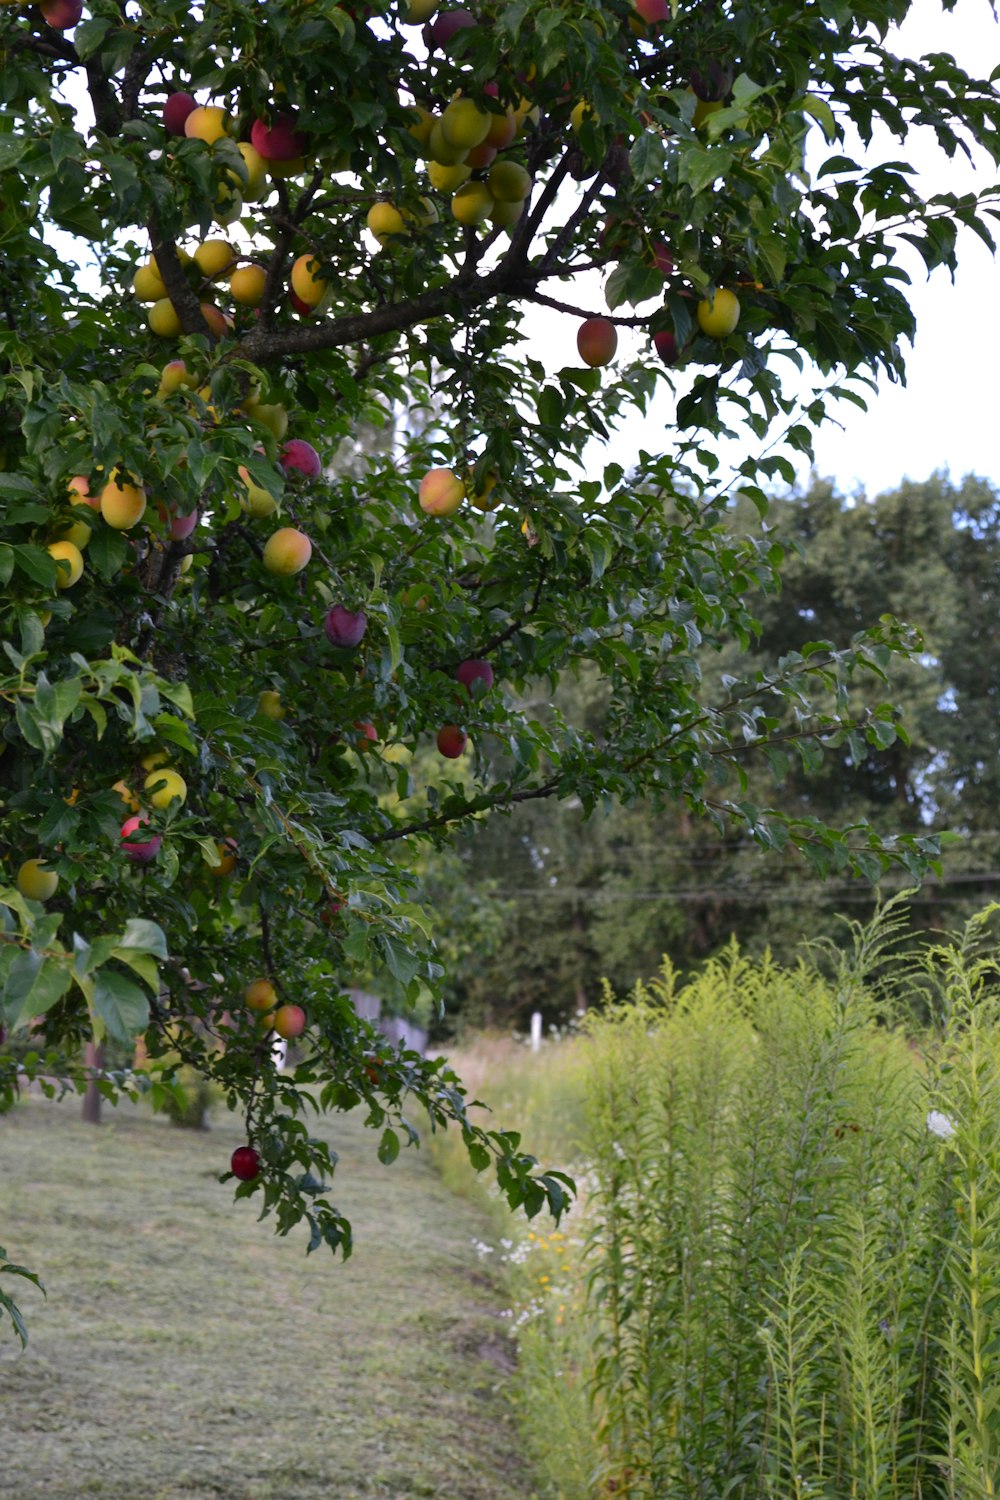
<point x="184" y="1352"/>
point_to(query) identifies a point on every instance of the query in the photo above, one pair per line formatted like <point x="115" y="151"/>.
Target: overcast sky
<point x="946" y="415"/>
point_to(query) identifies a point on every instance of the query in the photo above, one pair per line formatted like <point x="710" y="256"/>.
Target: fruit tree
<point x="241" y="690"/>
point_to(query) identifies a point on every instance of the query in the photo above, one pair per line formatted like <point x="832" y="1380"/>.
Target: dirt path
<point x="186" y="1353"/>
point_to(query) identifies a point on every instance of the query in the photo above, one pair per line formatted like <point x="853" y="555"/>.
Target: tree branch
<point x="518" y="621"/>
<point x="528" y="226"/>
<point x="58" y="47"/>
<point x="136" y="72"/>
<point x="581" y="312"/>
<point x="465" y="291"/>
<point x="469" y="809"/>
<point x="262" y="345"/>
<point x="760" y="690"/>
<point x="108" y="115"/>
<point x="576" y="218"/>
<point x="288" y="223"/>
<point x="181" y="294"/>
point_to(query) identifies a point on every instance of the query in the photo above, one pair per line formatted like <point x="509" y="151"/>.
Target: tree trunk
<point x="94" y="1059"/>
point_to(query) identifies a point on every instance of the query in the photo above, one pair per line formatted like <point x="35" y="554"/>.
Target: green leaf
<point x="35" y="982"/>
<point x="600" y="552"/>
<point x="870" y="866"/>
<point x="209" y="852"/>
<point x="774" y="253"/>
<point x="33" y="728"/>
<point x="615" y="293"/>
<point x="65" y="144"/>
<point x="779" y="761"/>
<point x="98" y="713"/>
<point x="479" y="1155"/>
<point x="822" y="114"/>
<point x="89" y="35"/>
<point x="16" y="484"/>
<point x="11" y="898"/>
<point x="703" y="166"/>
<point x="170" y="727"/>
<point x="27" y="515"/>
<point x="142" y="964"/>
<point x="41" y="719"/>
<point x="36" y="563"/>
<point x="882" y="733"/>
<point x="59" y="823"/>
<point x="394" y="654"/>
<point x="646" y="157"/>
<point x="88" y="956"/>
<point x="10" y="1307"/>
<point x="180" y="694"/>
<point x="13" y="149"/>
<point x="107" y="551"/>
<point x="388" y="1147"/>
<point x="556" y="1195"/>
<point x="144" y="936"/>
<point x="403" y="964"/>
<point x="58" y="699"/>
<point x="32" y="634"/>
<point x="121" y="1005"/>
<point x="550" y="405"/>
<point x="7" y="1303"/>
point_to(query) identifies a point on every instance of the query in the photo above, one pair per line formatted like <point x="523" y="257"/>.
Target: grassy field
<point x="186" y="1353"/>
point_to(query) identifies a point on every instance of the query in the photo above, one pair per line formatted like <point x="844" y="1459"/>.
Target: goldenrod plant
<point x="782" y="1278"/>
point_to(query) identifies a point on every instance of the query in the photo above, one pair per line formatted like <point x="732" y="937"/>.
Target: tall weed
<point x="784" y="1281"/>
<point x="766" y="1247"/>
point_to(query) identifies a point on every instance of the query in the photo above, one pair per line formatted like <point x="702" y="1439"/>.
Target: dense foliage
<point x="262" y="689"/>
<point x="561" y="902"/>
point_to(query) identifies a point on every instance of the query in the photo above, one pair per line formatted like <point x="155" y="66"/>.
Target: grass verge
<point x="186" y="1353"/>
<point x="544" y="1095"/>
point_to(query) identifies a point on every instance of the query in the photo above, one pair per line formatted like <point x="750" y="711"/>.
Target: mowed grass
<point x="185" y="1352"/>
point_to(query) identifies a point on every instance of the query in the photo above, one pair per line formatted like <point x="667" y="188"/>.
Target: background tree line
<point x="536" y="911"/>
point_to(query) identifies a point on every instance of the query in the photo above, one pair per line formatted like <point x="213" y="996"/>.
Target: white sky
<point x="946" y="416"/>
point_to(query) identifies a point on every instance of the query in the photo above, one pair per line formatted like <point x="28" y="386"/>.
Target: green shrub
<point x="188" y="1099"/>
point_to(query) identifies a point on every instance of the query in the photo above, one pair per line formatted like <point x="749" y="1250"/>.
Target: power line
<point x="747" y="894"/>
<point x="631" y="847"/>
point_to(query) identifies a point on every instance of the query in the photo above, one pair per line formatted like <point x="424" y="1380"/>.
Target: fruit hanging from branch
<point x="597" y="340"/>
<point x="245" y="1163"/>
<point x="233" y="529"/>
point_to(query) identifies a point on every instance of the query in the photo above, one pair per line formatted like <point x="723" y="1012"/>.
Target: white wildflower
<point x="939" y="1124"/>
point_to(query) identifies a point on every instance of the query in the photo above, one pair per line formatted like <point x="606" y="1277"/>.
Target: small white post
<point x="536" y="1030"/>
